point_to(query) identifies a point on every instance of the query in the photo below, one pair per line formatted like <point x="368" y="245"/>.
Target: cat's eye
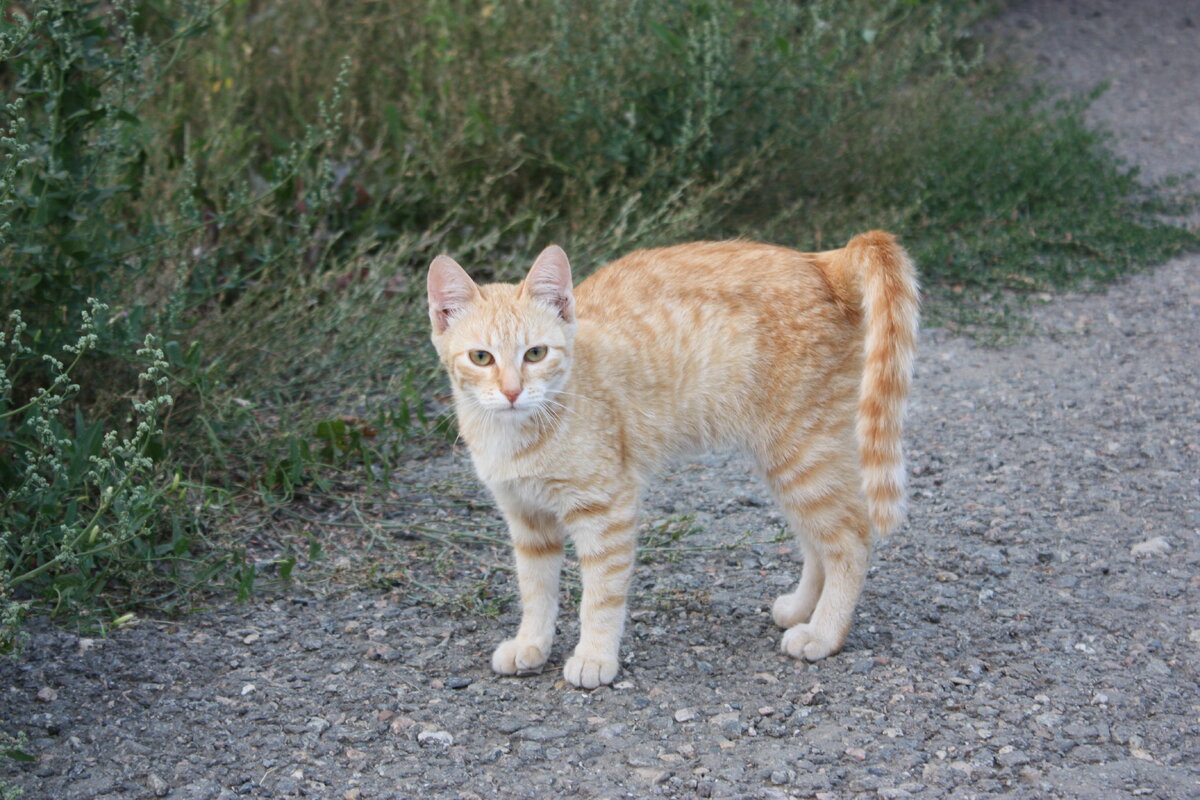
<point x="480" y="358"/>
<point x="535" y="354"/>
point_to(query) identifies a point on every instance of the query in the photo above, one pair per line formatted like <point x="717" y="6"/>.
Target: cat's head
<point x="507" y="348"/>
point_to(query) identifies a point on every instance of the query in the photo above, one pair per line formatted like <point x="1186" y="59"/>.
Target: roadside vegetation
<point x="215" y="219"/>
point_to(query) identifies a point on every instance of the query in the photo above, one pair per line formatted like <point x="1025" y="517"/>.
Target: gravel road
<point x="1033" y="631"/>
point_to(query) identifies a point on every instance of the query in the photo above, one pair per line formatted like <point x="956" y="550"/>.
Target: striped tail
<point x="874" y="272"/>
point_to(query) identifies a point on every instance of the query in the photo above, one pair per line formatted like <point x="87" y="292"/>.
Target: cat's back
<point x="729" y="279"/>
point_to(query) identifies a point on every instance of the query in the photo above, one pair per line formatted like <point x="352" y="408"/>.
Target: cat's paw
<point x="792" y="609"/>
<point x="588" y="672"/>
<point x="519" y="657"/>
<point x="806" y="642"/>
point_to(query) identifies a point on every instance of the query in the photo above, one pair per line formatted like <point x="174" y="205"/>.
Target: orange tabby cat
<point x="570" y="398"/>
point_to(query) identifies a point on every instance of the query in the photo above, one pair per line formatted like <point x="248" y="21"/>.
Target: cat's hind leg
<point x="818" y="488"/>
<point x="797" y="606"/>
<point x="538" y="548"/>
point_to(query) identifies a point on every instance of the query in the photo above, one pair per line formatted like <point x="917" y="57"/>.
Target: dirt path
<point x="1034" y="631"/>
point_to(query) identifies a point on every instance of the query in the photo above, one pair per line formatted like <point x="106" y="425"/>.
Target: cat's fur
<point x="802" y="359"/>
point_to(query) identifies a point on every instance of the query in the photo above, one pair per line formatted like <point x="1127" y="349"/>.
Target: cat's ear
<point x="549" y="282"/>
<point x="451" y="290"/>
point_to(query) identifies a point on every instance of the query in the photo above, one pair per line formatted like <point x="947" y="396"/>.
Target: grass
<point x="261" y="184"/>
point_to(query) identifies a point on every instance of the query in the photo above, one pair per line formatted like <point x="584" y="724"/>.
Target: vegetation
<point x="215" y="217"/>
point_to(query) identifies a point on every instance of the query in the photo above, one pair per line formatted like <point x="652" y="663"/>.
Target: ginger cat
<point x="569" y="399"/>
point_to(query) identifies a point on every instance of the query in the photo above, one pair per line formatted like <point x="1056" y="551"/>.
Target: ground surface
<point x="1034" y="631"/>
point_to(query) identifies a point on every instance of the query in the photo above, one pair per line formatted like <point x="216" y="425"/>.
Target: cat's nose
<point x="512" y="395"/>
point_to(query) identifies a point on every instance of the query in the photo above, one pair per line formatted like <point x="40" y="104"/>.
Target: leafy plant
<point x="82" y="505"/>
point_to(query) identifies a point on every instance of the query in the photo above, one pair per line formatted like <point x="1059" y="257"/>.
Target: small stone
<point x="1157" y="546"/>
<point x="729" y="723"/>
<point x="47" y="694"/>
<point x="540" y="733"/>
<point x="457" y="682"/>
<point x="857" y="753"/>
<point x="157" y="785"/>
<point x="382" y="652"/>
<point x="782" y="777"/>
<point x="435" y="738"/>
<point x="510" y="725"/>
<point x="766" y="711"/>
<point x="685" y="715"/>
<point x="352" y="794"/>
<point x="402" y="724"/>
<point x="652" y="775"/>
<point x="250" y="638"/>
<point x="247" y="689"/>
<point x="1090" y="754"/>
<point x="814" y="697"/>
<point x="765" y="677"/>
<point x="1011" y="758"/>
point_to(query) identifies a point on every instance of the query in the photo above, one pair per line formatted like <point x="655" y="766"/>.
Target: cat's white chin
<point x="507" y="414"/>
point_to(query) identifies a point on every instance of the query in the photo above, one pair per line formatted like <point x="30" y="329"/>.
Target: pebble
<point x="540" y="733"/>
<point x="158" y="787"/>
<point x="510" y="725"/>
<point x="436" y="738"/>
<point x="1157" y="546"/>
<point x="1009" y="757"/>
<point x="781" y="777"/>
<point x="685" y="715"/>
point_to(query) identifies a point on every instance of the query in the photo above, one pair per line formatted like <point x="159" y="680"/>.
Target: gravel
<point x="1033" y="631"/>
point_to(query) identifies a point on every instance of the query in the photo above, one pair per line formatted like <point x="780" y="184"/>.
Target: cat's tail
<point x="875" y="273"/>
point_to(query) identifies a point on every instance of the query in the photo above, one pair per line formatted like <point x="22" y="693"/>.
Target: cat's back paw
<point x="519" y="657"/>
<point x="806" y="642"/>
<point x="588" y="672"/>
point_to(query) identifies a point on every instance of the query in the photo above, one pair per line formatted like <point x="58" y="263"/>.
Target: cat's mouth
<point x="510" y="411"/>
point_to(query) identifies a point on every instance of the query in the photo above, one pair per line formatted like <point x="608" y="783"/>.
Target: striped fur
<point x="570" y="398"/>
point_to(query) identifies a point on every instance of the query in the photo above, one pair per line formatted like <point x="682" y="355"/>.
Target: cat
<point x="569" y="399"/>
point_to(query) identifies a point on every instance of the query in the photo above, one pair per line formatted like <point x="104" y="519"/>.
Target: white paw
<point x="519" y="657"/>
<point x="805" y="642"/>
<point x="588" y="672"/>
<point x="791" y="609"/>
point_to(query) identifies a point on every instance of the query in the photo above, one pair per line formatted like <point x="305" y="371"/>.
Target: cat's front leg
<point x="604" y="536"/>
<point x="538" y="547"/>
